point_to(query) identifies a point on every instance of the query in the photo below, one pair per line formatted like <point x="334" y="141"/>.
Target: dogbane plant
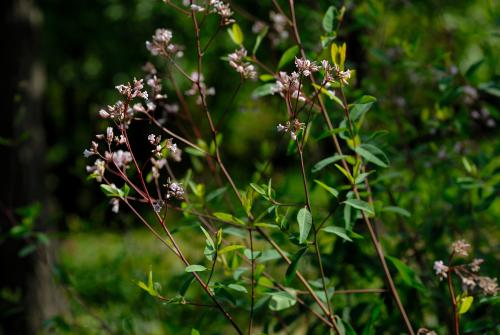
<point x="255" y="242"/>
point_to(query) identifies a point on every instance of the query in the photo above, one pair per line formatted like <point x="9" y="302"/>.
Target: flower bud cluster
<point x="237" y="62"/>
<point x="223" y="10"/>
<point x="288" y="86"/>
<point x="292" y="127"/>
<point x="467" y="272"/>
<point x="161" y="44"/>
<point x="305" y="66"/>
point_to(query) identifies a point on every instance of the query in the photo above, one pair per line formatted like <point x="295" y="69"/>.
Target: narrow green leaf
<point x="230" y="248"/>
<point x="292" y="268"/>
<point x="288" y="56"/>
<point x="226" y="217"/>
<point x="258" y="189"/>
<point x="266" y="77"/>
<point x="397" y="210"/>
<point x="327" y="161"/>
<point x="407" y="274"/>
<point x="263" y="90"/>
<point x="339" y="231"/>
<point x="345" y="173"/>
<point x="370" y="157"/>
<point x="304" y="219"/>
<point x="333" y="191"/>
<point x="238" y="288"/>
<point x="195" y="268"/>
<point x="259" y="39"/>
<point x="360" y="204"/>
<point x="361" y="106"/>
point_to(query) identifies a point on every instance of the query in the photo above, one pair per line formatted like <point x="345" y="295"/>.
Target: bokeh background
<point x="69" y="265"/>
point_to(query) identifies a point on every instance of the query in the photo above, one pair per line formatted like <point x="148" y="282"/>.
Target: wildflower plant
<point x="257" y="242"/>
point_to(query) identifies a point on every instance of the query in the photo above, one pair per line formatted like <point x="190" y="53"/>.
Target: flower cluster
<point x="197" y="78"/>
<point x="288" y="86"/>
<point x="223" y="10"/>
<point x="468" y="273"/>
<point x="133" y="91"/>
<point x="174" y="190"/>
<point x="305" y="66"/>
<point x="237" y="61"/>
<point x="292" y="127"/>
<point x="334" y="73"/>
<point x="161" y="44"/>
<point x="461" y="248"/>
<point x="168" y="144"/>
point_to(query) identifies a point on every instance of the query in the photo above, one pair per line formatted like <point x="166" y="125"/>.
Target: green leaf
<point x="226" y="217"/>
<point x="150" y="286"/>
<point x="345" y="173"/>
<point x="263" y="90"/>
<point x="407" y="274"/>
<point x="329" y="133"/>
<point x="251" y="255"/>
<point x="195" y="268"/>
<point x="236" y="34"/>
<point x="333" y="191"/>
<point x="339" y="231"/>
<point x="360" y="204"/>
<point x="236" y="287"/>
<point x="397" y="210"/>
<point x="370" y="153"/>
<point x="269" y="255"/>
<point x="258" y="189"/>
<point x="266" y="77"/>
<point x="194" y="152"/>
<point x="194" y="332"/>
<point x="110" y="190"/>
<point x="288" y="56"/>
<point x="230" y="248"/>
<point x="281" y="300"/>
<point x="292" y="268"/>
<point x="361" y="106"/>
<point x="329" y="94"/>
<point x="304" y="219"/>
<point x="327" y="161"/>
<point x="464" y="304"/>
<point x="259" y="39"/>
<point x="329" y="19"/>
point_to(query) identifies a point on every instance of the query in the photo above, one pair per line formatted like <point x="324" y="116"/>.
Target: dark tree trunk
<point x="29" y="294"/>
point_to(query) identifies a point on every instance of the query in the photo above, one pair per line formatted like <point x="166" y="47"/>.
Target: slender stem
<point x="456" y="324"/>
<point x="252" y="284"/>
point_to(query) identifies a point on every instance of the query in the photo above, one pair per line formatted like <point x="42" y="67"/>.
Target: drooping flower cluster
<point x="174" y="190"/>
<point x="124" y="111"/>
<point x="168" y="144"/>
<point x="223" y="10"/>
<point x="195" y="77"/>
<point x="161" y="44"/>
<point x="305" y="66"/>
<point x="334" y="73"/>
<point x="468" y="273"/>
<point x="237" y="61"/>
<point x="461" y="248"/>
<point x="292" y="127"/>
<point x="288" y="86"/>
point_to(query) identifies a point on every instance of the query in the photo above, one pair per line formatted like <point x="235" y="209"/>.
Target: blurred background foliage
<point x="433" y="66"/>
